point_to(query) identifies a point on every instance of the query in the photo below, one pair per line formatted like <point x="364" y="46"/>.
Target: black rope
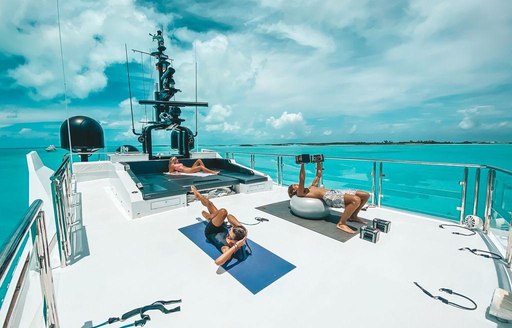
<point x="445" y="301"/>
<point x="458" y="226"/>
<point x="480" y="252"/>
<point x="158" y="305"/>
<point x="259" y="219"/>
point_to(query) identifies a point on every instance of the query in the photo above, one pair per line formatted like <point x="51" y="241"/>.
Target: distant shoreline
<point x="428" y="142"/>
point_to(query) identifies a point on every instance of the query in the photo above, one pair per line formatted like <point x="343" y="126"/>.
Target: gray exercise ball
<point x="309" y="208"/>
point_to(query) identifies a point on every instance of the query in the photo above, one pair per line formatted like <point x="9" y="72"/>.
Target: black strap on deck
<point x="458" y="226"/>
<point x="480" y="252"/>
<point x="144" y="318"/>
<point x="259" y="219"/>
<point x="445" y="301"/>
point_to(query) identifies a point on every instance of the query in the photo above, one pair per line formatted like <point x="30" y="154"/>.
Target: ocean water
<point x="431" y="189"/>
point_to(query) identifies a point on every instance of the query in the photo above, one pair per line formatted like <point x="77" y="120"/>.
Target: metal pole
<point x="464" y="184"/>
<point x="477" y="189"/>
<point x="278" y="177"/>
<point x="488" y="200"/>
<point x="253" y="161"/>
<point x="46" y="276"/>
<point x="374" y="176"/>
<point x="509" y="245"/>
<point x="381" y="174"/>
<point x="282" y="171"/>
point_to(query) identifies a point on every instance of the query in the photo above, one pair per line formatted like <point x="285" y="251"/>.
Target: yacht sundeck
<point x="118" y="242"/>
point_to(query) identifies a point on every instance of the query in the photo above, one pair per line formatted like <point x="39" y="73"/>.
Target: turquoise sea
<point x="432" y="189"/>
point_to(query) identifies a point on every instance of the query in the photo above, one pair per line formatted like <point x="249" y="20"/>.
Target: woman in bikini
<point x="175" y="167"/>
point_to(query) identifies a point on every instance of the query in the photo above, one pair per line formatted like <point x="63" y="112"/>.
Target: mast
<point x="167" y="111"/>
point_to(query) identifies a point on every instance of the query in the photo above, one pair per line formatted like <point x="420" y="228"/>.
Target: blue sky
<point x="272" y="71"/>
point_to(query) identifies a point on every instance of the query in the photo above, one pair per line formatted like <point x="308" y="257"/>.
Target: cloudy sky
<point x="271" y="70"/>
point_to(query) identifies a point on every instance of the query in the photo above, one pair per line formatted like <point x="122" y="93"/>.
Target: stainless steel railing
<point x="66" y="204"/>
<point x="21" y="255"/>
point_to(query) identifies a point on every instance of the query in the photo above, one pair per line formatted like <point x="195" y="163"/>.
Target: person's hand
<point x="241" y="242"/>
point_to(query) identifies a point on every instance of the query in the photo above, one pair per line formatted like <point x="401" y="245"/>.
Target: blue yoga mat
<point x="258" y="271"/>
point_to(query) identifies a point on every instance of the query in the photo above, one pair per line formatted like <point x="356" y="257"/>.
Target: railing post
<point x="278" y="172"/>
<point x="464" y="184"/>
<point x="253" y="161"/>
<point x="374" y="177"/>
<point x="380" y="194"/>
<point x="509" y="244"/>
<point x="488" y="199"/>
<point x="477" y="190"/>
<point x="46" y="276"/>
<point x="59" y="221"/>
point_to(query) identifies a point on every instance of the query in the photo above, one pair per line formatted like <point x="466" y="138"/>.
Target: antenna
<point x="195" y="60"/>
<point x="65" y="88"/>
<point x="129" y="89"/>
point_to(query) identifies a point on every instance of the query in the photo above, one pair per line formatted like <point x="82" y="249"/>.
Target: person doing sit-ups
<point x="229" y="241"/>
<point x="352" y="200"/>
<point x="176" y="166"/>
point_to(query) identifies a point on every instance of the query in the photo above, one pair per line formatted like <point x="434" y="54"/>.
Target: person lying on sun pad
<point x="176" y="167"/>
<point x="352" y="200"/>
<point x="229" y="241"/>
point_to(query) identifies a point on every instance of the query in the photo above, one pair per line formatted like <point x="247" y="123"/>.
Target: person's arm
<point x="171" y="167"/>
<point x="319" y="171"/>
<point x="228" y="252"/>
<point x="302" y="178"/>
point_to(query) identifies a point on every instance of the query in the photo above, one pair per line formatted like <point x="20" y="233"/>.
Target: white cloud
<point x="301" y="34"/>
<point x="286" y="120"/>
<point x="318" y="58"/>
<point x="223" y="127"/>
<point x="327" y="132"/>
<point x="28" y="133"/>
<point x="466" y="123"/>
<point x="218" y="114"/>
<point x="25" y="131"/>
<point x="289" y="125"/>
<point x="93" y="36"/>
<point x="352" y="130"/>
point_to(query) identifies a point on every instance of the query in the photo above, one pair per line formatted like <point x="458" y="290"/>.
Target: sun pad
<point x="258" y="271"/>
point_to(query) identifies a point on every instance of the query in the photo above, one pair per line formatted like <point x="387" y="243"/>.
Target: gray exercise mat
<point x="326" y="226"/>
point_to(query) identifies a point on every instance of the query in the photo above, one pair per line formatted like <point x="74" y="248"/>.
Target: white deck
<point x="354" y="284"/>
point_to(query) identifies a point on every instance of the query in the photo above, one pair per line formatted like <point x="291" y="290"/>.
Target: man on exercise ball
<point x="350" y="199"/>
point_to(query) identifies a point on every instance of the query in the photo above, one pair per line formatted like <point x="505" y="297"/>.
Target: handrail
<point x="378" y="160"/>
<point x="14" y="242"/>
<point x="63" y="196"/>
<point x="499" y="169"/>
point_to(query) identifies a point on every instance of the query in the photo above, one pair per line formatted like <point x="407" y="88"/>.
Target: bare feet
<point x="206" y="215"/>
<point x="196" y="193"/>
<point x="216" y="172"/>
<point x="345" y="228"/>
<point x="356" y="219"/>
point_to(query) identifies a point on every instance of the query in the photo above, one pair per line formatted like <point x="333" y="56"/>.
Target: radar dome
<point x="86" y="134"/>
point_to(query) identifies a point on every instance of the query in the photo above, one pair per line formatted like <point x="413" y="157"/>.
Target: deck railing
<point x="23" y="295"/>
<point x="446" y="190"/>
<point x="67" y="204"/>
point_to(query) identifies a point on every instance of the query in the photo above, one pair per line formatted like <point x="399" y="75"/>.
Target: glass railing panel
<point x="343" y="174"/>
<point x="428" y="189"/>
<point x="242" y="159"/>
<point x="501" y="210"/>
<point x="29" y="306"/>
<point x="20" y="288"/>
